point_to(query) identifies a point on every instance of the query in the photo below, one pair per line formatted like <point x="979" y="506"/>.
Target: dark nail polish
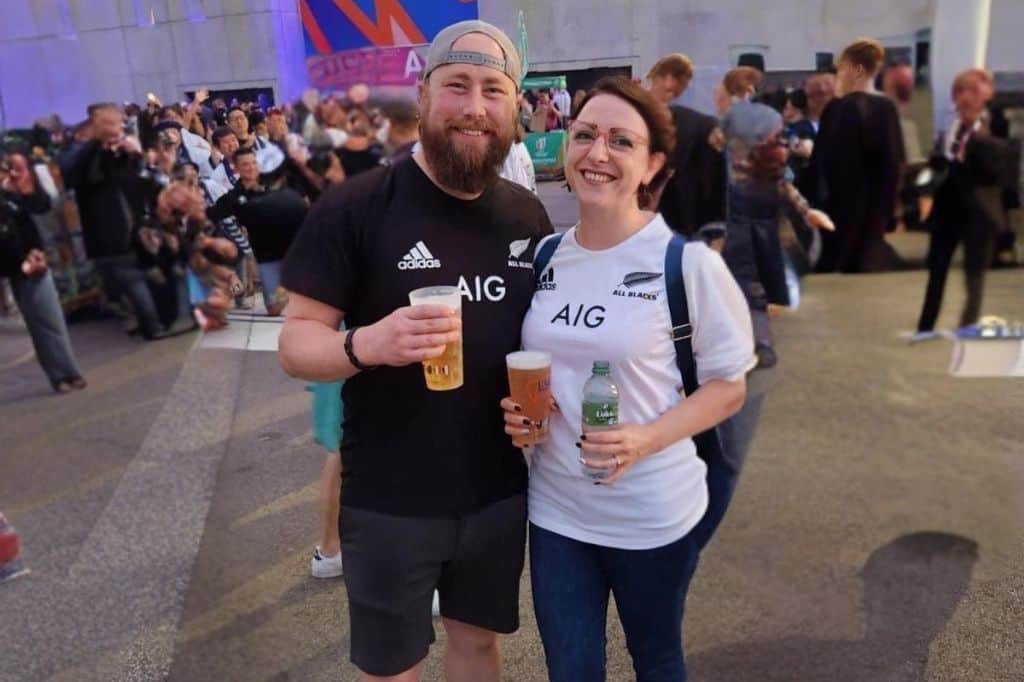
<point x="518" y="409"/>
<point x="527" y="422"/>
<point x="596" y="483"/>
<point x="583" y="437"/>
<point x="578" y="445"/>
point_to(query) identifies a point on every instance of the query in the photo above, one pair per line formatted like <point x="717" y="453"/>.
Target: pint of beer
<point x="529" y="382"/>
<point x="443" y="373"/>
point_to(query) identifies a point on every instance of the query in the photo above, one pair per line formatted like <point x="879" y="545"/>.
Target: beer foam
<point x="528" y="359"/>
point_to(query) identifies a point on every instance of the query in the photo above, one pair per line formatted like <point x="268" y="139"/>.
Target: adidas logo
<point x="547" y="280"/>
<point x="419" y="258"/>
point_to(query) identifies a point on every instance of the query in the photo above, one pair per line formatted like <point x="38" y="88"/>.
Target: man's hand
<point x="177" y="201"/>
<point x="408" y="335"/>
<point x="819" y="220"/>
<point x="34" y="263"/>
<point x="129" y="145"/>
<point x="298" y="153"/>
<point x="202" y="95"/>
<point x="716" y="139"/>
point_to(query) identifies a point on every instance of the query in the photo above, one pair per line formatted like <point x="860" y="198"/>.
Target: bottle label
<point x="601" y="414"/>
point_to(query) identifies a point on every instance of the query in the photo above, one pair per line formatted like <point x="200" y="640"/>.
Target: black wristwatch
<point x="351" y="353"/>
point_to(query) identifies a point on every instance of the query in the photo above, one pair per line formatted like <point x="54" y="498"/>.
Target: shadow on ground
<point x="912" y="587"/>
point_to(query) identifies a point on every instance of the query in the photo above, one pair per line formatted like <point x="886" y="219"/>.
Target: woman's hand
<point x="519" y="426"/>
<point x="618" y="449"/>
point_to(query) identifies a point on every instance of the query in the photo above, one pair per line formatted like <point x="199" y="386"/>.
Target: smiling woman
<point x="622" y="135"/>
<point x="603" y="296"/>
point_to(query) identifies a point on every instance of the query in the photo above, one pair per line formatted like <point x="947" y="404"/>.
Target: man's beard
<point x="460" y="167"/>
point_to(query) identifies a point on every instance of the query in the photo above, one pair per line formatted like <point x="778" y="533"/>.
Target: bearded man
<point x="433" y="495"/>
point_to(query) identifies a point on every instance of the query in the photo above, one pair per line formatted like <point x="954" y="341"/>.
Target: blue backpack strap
<point x="543" y="255"/>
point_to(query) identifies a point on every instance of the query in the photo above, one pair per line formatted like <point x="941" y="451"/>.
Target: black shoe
<point x="766" y="357"/>
<point x="61" y="387"/>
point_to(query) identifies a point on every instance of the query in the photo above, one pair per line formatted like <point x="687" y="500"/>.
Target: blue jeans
<point x="122" y="277"/>
<point x="571" y="582"/>
<point x="270" y="276"/>
<point x="39" y="304"/>
<point x="735" y="435"/>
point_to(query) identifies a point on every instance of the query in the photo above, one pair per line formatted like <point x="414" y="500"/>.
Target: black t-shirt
<point x="18" y="233"/>
<point x="366" y="244"/>
<point x="272" y="217"/>
<point x="359" y="161"/>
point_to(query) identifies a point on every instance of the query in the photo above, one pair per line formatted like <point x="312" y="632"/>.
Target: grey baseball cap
<point x="441" y="51"/>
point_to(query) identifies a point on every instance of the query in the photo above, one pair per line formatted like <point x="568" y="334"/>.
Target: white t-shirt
<point x="518" y="167"/>
<point x="583" y="311"/>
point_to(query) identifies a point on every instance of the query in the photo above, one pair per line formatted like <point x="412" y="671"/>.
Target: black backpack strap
<point x="543" y="255"/>
<point x="682" y="330"/>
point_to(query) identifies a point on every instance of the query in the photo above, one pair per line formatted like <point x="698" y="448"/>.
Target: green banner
<point x="543" y="82"/>
<point x="547" y="149"/>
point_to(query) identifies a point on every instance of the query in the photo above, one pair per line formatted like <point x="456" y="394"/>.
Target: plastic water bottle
<point x="600" y="409"/>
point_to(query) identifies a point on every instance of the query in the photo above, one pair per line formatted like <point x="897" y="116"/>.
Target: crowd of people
<point x="338" y="209"/>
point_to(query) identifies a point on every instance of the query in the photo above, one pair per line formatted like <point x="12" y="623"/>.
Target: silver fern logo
<point x="516" y="250"/>
<point x="518" y="247"/>
<point x="635" y="279"/>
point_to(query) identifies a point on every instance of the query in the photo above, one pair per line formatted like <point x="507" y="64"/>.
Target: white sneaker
<point x="920" y="337"/>
<point x="435" y="606"/>
<point x="325" y="566"/>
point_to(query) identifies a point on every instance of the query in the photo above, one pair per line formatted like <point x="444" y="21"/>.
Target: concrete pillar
<point x="959" y="41"/>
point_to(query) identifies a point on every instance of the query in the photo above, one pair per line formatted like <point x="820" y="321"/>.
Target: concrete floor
<point x="875" y="535"/>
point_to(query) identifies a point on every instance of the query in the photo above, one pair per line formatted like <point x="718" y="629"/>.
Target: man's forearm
<point x="310" y="350"/>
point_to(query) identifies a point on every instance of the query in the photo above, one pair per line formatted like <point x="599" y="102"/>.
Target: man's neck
<point x="357" y="143"/>
<point x="399" y="140"/>
<point x="867" y="87"/>
<point x="249" y="184"/>
<point x="421" y="160"/>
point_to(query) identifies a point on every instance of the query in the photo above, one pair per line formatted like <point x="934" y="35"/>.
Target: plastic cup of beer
<point x="529" y="382"/>
<point x="443" y="373"/>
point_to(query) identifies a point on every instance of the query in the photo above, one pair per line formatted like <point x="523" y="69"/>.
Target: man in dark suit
<point x="104" y="169"/>
<point x="974" y="167"/>
<point x="695" y="194"/>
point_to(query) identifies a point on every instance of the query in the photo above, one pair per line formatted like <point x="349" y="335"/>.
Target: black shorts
<point x="393" y="564"/>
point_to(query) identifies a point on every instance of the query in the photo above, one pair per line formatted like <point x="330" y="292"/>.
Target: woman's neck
<point x="602" y="227"/>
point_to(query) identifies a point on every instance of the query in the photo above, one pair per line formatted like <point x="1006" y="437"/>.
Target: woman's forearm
<point x="710" y="405"/>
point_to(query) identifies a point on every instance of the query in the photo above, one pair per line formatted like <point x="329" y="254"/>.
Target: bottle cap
<point x="602" y="367"/>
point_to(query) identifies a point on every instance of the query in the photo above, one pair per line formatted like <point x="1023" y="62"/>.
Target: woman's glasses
<point x="620" y="140"/>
